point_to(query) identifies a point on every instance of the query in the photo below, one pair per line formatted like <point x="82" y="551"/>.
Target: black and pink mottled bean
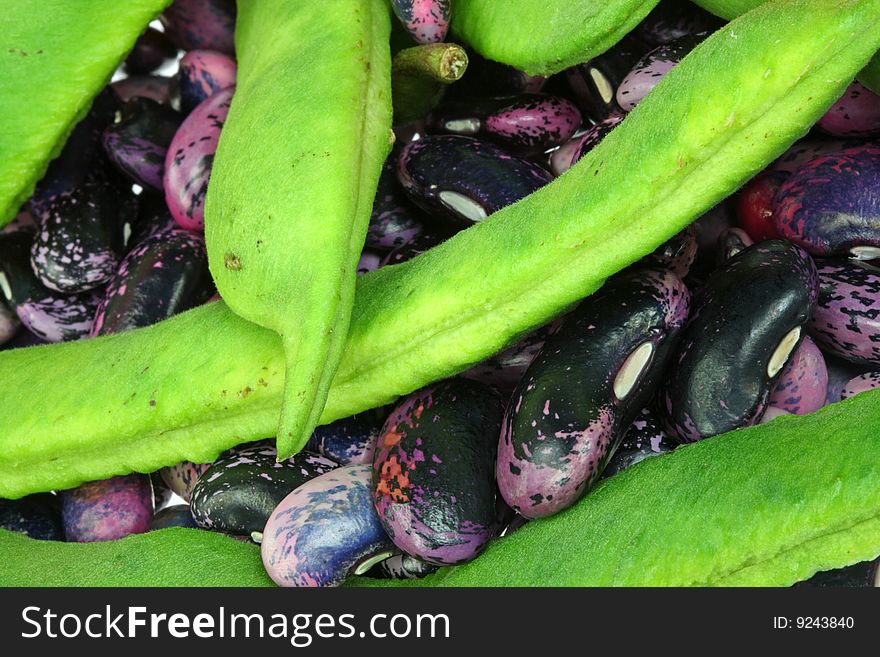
<point x="433" y="484"/>
<point x="732" y="241"/>
<point x="676" y="254"/>
<point x="410" y="249"/>
<point x="426" y="20"/>
<point x="855" y="114"/>
<point x="847" y="318"/>
<point x="830" y="206"/>
<point x="721" y="376"/>
<point x="525" y="124"/>
<point x="325" y="530"/>
<point x="190" y="158"/>
<point x="808" y="149"/>
<point x="150" y="50"/>
<point x="161" y="276"/>
<point x="238" y="493"/>
<point x="402" y="566"/>
<point x="202" y="74"/>
<point x="201" y="24"/>
<point x="840" y="372"/>
<point x="108" y="510"/>
<point x="565" y="418"/>
<point x="37" y="516"/>
<point x="803" y="384"/>
<point x="644" y="438"/>
<point x="669" y="21"/>
<point x="861" y="383"/>
<point x="183" y="477"/>
<point x="463" y="180"/>
<point x="505" y="369"/>
<point x="567" y="155"/>
<point x="154" y="87"/>
<point x="177" y="515"/>
<point x="161" y="493"/>
<point x="593" y="84"/>
<point x="348" y="440"/>
<point x="649" y="70"/>
<point x="393" y="221"/>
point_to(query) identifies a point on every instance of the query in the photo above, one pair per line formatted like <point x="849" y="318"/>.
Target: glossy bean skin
<point x="154" y="87"/>
<point x="108" y="510"/>
<point x="856" y="114"/>
<point x="161" y="276"/>
<point x="37" y="516"/>
<point x="594" y="83"/>
<point x="755" y="205"/>
<point x="669" y="21"/>
<point x="203" y="73"/>
<point x="860" y="383"/>
<point x="677" y="254"/>
<point x="583" y="390"/>
<point x="571" y="152"/>
<point x="425" y="20"/>
<point x="847" y="318"/>
<point x="748" y="318"/>
<point x="349" y="440"/>
<point x="461" y="180"/>
<point x="183" y="477"/>
<point x="325" y="530"/>
<point x="644" y="438"/>
<point x="525" y="124"/>
<point x="238" y="493"/>
<point x="193" y="24"/>
<point x="150" y="50"/>
<point x="732" y="241"/>
<point x="402" y="566"/>
<point x="173" y="516"/>
<point x="830" y="205"/>
<point x="433" y="484"/>
<point x="505" y="369"/>
<point x="803" y="384"/>
<point x="394" y="220"/>
<point x="648" y="71"/>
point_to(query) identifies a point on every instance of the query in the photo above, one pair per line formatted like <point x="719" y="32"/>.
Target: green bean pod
<point x="159" y="395"/>
<point x="293" y="182"/>
<point x="55" y="55"/>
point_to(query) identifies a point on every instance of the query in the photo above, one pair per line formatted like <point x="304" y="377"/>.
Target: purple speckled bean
<point x="830" y="205"/>
<point x="677" y="254"/>
<point x="183" y="477"/>
<point x="394" y="221"/>
<point x="859" y="384"/>
<point x="202" y="74"/>
<point x="563" y="158"/>
<point x="37" y="516"/>
<point x="463" y="180"/>
<point x="771" y="413"/>
<point x="150" y="50"/>
<point x="669" y="21"/>
<point x="433" y="480"/>
<point x="846" y="322"/>
<point x="190" y="158"/>
<point x="505" y="369"/>
<point x="809" y="149"/>
<point x="730" y="242"/>
<point x="154" y="87"/>
<point x="23" y="221"/>
<point x="855" y="114"/>
<point x="644" y="438"/>
<point x="410" y="249"/>
<point x="586" y="386"/>
<point x="803" y="384"/>
<point x="839" y="374"/>
<point x="173" y="516"/>
<point x="9" y="323"/>
<point x="325" y="530"/>
<point x="369" y="261"/>
<point x="426" y="20"/>
<point x="108" y="510"/>
<point x="201" y="24"/>
<point x="348" y="440"/>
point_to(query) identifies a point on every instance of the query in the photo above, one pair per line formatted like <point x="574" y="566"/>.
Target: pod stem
<point x="419" y="76"/>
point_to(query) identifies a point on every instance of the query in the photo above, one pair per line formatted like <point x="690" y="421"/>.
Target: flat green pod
<point x="55" y="56"/>
<point x="293" y="182"/>
<point x="728" y="9"/>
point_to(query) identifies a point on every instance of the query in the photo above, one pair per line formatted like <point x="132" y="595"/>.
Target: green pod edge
<point x="201" y="382"/>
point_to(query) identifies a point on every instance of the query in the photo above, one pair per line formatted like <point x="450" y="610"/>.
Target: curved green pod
<point x="728" y="9"/>
<point x="542" y="38"/>
<point x="55" y="56"/>
<point x="201" y="382"/>
<point x="293" y="182"/>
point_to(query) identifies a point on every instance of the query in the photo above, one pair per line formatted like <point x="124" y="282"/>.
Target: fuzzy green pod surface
<point x="293" y="182"/>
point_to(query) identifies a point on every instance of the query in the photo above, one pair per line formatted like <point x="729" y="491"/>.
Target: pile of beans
<point x="768" y="305"/>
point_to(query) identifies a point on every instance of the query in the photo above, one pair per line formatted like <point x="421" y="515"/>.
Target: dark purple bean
<point x="154" y="87"/>
<point x="433" y="483"/>
<point x="505" y="369"/>
<point x="152" y="218"/>
<point x="108" y="510"/>
<point x="730" y="242"/>
<point x="190" y="158"/>
<point x="644" y="438"/>
<point x="803" y="384"/>
<point x="402" y="566"/>
<point x="173" y="516"/>
<point x="567" y="155"/>
<point x="409" y="250"/>
<point x="847" y="318"/>
<point x="150" y="50"/>
<point x="162" y="494"/>
<point x="9" y="323"/>
<point x="137" y="144"/>
<point x="855" y="114"/>
<point x="809" y="149"/>
<point x="585" y="387"/>
<point x="840" y="372"/>
<point x="203" y="73"/>
<point x="183" y="477"/>
<point x="747" y="321"/>
<point x="325" y="530"/>
<point x="861" y="383"/>
<point x="426" y="20"/>
<point x="394" y="221"/>
<point x="201" y="24"/>
<point x="37" y="516"/>
<point x="461" y="180"/>
<point x="485" y="77"/>
<point x="349" y="440"/>
<point x="669" y="21"/>
<point x="676" y="254"/>
<point x="830" y="206"/>
<point x="160" y="277"/>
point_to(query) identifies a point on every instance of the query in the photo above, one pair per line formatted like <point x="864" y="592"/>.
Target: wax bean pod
<point x="325" y="530"/>
<point x="393" y="221"/>
<point x="856" y="114"/>
<point x="652" y="67"/>
<point x="37" y="516"/>
<point x="847" y="319"/>
<point x="108" y="510"/>
<point x="194" y="24"/>
<point x="409" y="250"/>
<point x="669" y="21"/>
<point x="676" y="254"/>
<point x="160" y="277"/>
<point x="571" y="152"/>
<point x="586" y="386"/>
<point x="865" y="574"/>
<point x="730" y="242"/>
<point x="349" y="440"/>
<point x="52" y="316"/>
<point x="138" y="144"/>
<point x="830" y="205"/>
<point x="755" y="205"/>
<point x="150" y="50"/>
<point x="80" y="241"/>
<point x="238" y="493"/>
<point x="173" y="516"/>
<point x="203" y="73"/>
<point x="505" y="369"/>
<point x="183" y="477"/>
<point x="594" y="83"/>
<point x="402" y="566"/>
<point x="859" y="384"/>
<point x="154" y="87"/>
<point x="525" y="124"/>
<point x="747" y="321"/>
<point x="803" y="384"/>
<point x="190" y="159"/>
<point x="644" y="438"/>
<point x="433" y="483"/>
<point x="426" y="20"/>
<point x="463" y="180"/>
